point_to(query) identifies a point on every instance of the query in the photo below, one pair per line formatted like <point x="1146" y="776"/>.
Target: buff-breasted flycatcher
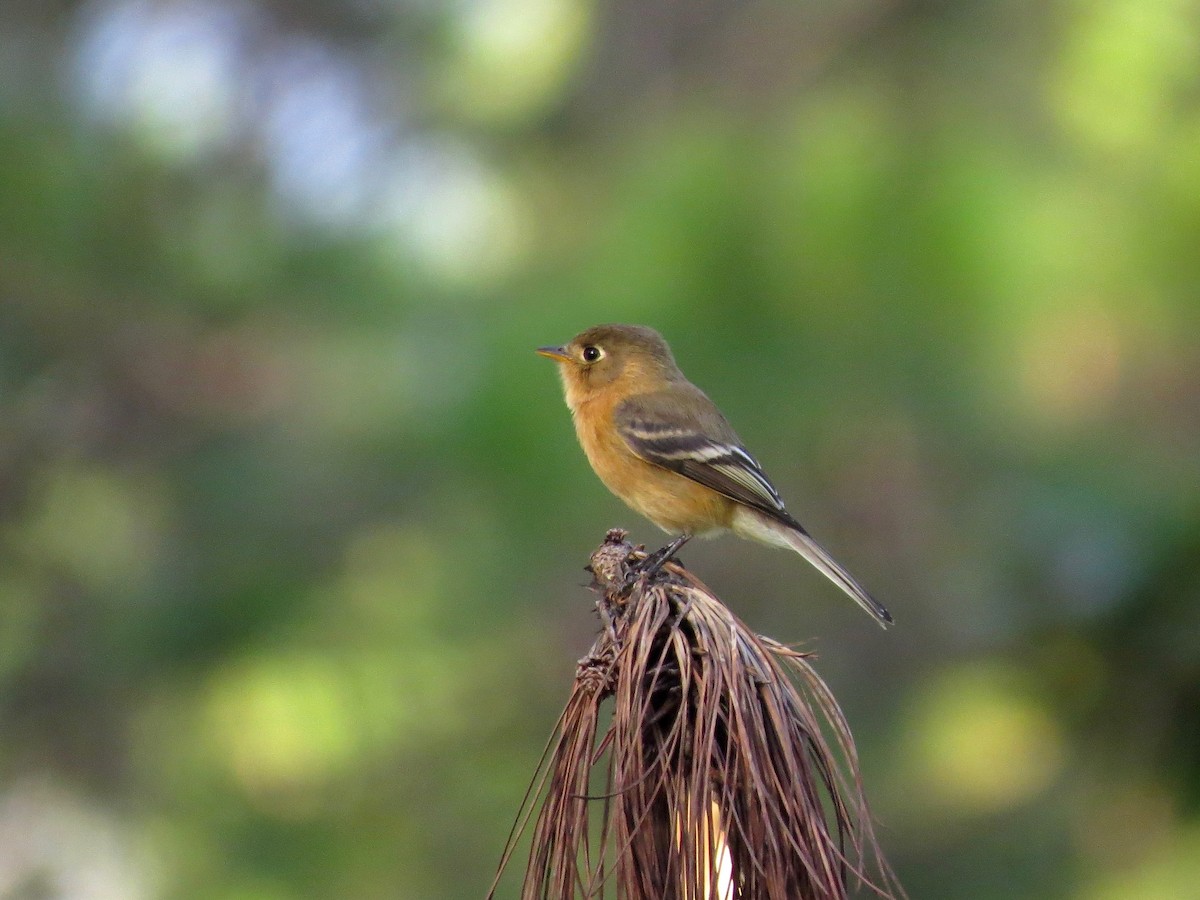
<point x="663" y="447"/>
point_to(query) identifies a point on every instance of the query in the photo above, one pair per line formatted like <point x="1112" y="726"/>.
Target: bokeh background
<point x="292" y="520"/>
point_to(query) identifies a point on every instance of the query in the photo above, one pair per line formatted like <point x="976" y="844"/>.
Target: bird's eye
<point x="592" y="353"/>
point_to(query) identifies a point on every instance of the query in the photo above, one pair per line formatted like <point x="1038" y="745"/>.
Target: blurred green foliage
<point x="292" y="519"/>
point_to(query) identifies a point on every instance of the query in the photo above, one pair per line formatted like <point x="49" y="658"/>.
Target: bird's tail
<point x="758" y="525"/>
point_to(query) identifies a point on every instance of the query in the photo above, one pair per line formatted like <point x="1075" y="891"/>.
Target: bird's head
<point x="605" y="355"/>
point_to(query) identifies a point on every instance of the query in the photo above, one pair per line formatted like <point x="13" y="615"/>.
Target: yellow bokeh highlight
<point x="509" y="58"/>
<point x="980" y="741"/>
<point x="282" y="722"/>
<point x="287" y="724"/>
<point x="1122" y="63"/>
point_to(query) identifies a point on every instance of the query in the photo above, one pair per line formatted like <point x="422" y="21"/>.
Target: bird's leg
<point x="651" y="564"/>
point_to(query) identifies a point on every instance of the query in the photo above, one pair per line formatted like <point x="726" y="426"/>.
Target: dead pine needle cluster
<point x="726" y="770"/>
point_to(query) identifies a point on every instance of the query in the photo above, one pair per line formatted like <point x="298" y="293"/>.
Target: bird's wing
<point x="687" y="434"/>
<point x="683" y="431"/>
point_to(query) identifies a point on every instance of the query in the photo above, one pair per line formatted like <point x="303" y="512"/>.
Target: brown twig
<point x="727" y="770"/>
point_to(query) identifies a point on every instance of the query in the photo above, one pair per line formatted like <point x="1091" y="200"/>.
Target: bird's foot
<point x="652" y="564"/>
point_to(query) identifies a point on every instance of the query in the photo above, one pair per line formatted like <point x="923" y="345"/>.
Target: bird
<point x="663" y="447"/>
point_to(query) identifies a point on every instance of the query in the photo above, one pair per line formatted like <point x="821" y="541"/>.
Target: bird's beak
<point x="558" y="354"/>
